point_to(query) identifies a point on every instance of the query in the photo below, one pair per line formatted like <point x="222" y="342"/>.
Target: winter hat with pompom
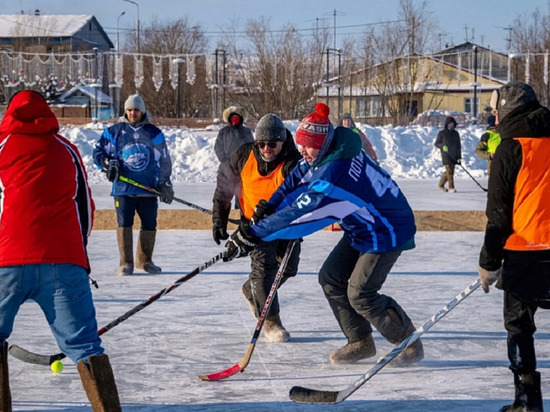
<point x="314" y="127"/>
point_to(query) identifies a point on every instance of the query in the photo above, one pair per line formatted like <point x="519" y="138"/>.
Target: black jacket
<point x="530" y="120"/>
<point x="451" y="139"/>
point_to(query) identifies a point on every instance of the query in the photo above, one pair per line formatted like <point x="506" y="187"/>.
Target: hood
<point x="28" y="113"/>
<point x="450" y="120"/>
<point x="340" y="143"/>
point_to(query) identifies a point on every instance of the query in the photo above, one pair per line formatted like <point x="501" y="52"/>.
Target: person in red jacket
<point x="45" y="219"/>
<point x="516" y="248"/>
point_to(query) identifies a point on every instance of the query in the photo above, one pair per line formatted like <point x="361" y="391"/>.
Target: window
<point x="468" y="105"/>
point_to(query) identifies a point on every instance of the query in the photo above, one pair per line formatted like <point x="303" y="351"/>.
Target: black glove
<point x="219" y="232"/>
<point x="240" y="244"/>
<point x="261" y="210"/>
<point x="166" y="192"/>
<point x="111" y="167"/>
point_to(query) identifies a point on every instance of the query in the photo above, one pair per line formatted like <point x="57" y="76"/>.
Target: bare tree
<point x="278" y="73"/>
<point x="394" y="56"/>
<point x="531" y="41"/>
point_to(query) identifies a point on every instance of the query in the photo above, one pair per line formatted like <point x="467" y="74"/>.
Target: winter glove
<point x="488" y="277"/>
<point x="458" y="161"/>
<point x="445" y="148"/>
<point x="111" y="166"/>
<point x="261" y="210"/>
<point x="166" y="192"/>
<point x="219" y="232"/>
<point x="240" y="244"/>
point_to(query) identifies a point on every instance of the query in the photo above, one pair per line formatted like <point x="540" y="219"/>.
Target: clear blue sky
<point x="484" y="20"/>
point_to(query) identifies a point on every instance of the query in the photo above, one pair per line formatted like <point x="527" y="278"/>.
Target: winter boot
<point x="413" y="354"/>
<point x="274" y="331"/>
<point x="354" y="351"/>
<point x="528" y="394"/>
<point x="5" y="393"/>
<point x="125" y="250"/>
<point x="442" y="182"/>
<point x="452" y="184"/>
<point x="144" y="254"/>
<point x="99" y="383"/>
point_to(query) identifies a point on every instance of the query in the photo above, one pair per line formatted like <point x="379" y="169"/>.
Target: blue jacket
<point x="142" y="153"/>
<point x="342" y="185"/>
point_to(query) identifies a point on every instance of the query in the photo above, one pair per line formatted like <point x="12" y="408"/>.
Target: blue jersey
<point x="142" y="153"/>
<point x="345" y="186"/>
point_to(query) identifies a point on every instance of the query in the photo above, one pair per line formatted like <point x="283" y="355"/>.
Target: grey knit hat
<point x="270" y="127"/>
<point x="511" y="96"/>
<point x="134" y="101"/>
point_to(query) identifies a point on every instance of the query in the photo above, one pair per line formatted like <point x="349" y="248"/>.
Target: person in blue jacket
<point x="336" y="181"/>
<point x="136" y="149"/>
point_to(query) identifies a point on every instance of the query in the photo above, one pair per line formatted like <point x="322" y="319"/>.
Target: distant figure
<point x="516" y="249"/>
<point x="347" y="121"/>
<point x="488" y="143"/>
<point x="47" y="216"/>
<point x="137" y="149"/>
<point x="448" y="140"/>
<point x="233" y="135"/>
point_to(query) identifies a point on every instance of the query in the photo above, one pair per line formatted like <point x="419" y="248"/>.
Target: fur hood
<point x="233" y="109"/>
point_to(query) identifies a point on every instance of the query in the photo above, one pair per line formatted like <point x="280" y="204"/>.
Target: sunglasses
<point x="271" y="145"/>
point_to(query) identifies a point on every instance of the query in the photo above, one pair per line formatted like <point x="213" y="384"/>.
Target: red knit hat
<point x="314" y="127"/>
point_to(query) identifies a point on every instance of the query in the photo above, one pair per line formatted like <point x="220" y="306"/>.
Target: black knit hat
<point x="270" y="128"/>
<point x="511" y="96"/>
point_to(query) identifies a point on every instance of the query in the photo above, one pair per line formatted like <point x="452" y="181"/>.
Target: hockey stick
<point x="305" y="395"/>
<point x="468" y="173"/>
<point x="243" y="363"/>
<point x="184" y="202"/>
<point x="46" y="360"/>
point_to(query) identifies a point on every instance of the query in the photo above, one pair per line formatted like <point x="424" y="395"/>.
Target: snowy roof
<point x="58" y="25"/>
<point x="88" y="91"/>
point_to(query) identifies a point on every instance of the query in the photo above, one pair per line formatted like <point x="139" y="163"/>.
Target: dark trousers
<point x="145" y="206"/>
<point x="264" y="261"/>
<point x="526" y="283"/>
<point x="351" y="281"/>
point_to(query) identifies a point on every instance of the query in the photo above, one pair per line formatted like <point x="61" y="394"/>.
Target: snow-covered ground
<point x="204" y="325"/>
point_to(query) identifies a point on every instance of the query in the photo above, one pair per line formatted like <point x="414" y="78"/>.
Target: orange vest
<point x="531" y="215"/>
<point x="255" y="187"/>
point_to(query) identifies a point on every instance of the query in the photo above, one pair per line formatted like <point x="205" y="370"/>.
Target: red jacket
<point x="46" y="209"/>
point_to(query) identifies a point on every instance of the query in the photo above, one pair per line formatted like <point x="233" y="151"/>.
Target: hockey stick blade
<point x="46" y="360"/>
<point x="232" y="370"/>
<point x="315" y="396"/>
<point x="243" y="363"/>
<point x="30" y="357"/>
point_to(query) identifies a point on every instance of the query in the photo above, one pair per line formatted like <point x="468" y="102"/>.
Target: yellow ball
<point x="56" y="366"/>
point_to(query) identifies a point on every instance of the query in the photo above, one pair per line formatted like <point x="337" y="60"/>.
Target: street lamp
<point x="117" y="21"/>
<point x="516" y="57"/>
<point x="339" y="52"/>
<point x="179" y="62"/>
<point x="137" y="22"/>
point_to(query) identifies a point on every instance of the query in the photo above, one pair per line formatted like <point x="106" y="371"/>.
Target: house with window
<point x="41" y="33"/>
<point x="460" y="79"/>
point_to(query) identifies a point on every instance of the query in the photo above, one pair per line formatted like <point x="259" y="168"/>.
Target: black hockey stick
<point x="243" y="363"/>
<point x="46" y="360"/>
<point x="305" y="395"/>
<point x="184" y="202"/>
<point x="468" y="173"/>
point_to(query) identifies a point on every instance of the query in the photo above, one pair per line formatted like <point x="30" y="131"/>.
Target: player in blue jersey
<point x="336" y="181"/>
